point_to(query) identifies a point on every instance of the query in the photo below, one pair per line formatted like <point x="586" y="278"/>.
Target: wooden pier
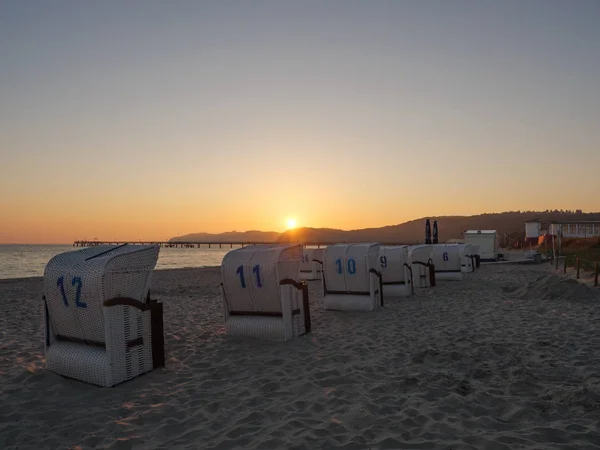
<point x="194" y="244"/>
<point x="168" y="244"/>
<point x="183" y="244"/>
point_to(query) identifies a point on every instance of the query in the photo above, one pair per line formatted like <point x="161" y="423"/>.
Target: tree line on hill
<point x="510" y="226"/>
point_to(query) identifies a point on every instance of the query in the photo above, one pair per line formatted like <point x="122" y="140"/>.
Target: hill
<point x="511" y="224"/>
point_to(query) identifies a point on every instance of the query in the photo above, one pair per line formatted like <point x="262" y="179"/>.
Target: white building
<point x="487" y="241"/>
<point x="533" y="229"/>
<point x="575" y="229"/>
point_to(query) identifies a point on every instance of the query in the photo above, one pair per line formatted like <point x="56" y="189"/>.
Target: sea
<point x="21" y="261"/>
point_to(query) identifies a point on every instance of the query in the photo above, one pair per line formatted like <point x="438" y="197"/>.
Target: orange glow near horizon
<point x="142" y="218"/>
<point x="239" y="119"/>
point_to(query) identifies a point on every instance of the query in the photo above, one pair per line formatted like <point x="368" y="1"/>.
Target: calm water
<point x="17" y="261"/>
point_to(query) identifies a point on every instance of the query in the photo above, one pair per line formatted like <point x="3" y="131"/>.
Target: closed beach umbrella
<point x="435" y="232"/>
<point x="427" y="232"/>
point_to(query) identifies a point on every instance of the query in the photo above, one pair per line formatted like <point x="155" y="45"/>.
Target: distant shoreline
<point x="41" y="278"/>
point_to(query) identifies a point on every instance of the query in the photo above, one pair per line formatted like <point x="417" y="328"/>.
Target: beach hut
<point x="487" y="240"/>
<point x="262" y="297"/>
<point x="420" y="260"/>
<point x="100" y="324"/>
<point x="447" y="259"/>
<point x="351" y="281"/>
<point x="396" y="273"/>
<point x="311" y="265"/>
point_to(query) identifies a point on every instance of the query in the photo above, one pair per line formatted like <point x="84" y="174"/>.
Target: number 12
<point x="74" y="281"/>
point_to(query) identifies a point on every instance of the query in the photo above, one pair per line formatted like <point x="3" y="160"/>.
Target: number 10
<point x="351" y="266"/>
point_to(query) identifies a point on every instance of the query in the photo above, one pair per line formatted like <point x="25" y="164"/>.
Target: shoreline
<point x="41" y="277"/>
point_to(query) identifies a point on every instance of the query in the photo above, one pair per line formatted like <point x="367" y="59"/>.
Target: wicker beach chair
<point x="100" y="325"/>
<point x="262" y="297"/>
<point x="351" y="281"/>
<point x="310" y="269"/>
<point x="423" y="269"/>
<point x="448" y="259"/>
<point x="468" y="258"/>
<point x="396" y="273"/>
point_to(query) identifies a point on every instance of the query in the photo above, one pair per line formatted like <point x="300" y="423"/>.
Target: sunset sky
<point x="150" y="119"/>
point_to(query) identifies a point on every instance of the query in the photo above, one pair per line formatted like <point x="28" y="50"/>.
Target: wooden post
<point x="565" y="268"/>
<point x="596" y="273"/>
<point x="577" y="262"/>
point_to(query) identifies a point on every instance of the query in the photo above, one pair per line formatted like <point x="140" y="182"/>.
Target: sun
<point x="291" y="223"/>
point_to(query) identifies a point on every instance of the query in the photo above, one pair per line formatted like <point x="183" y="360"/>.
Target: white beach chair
<point x="476" y="255"/>
<point x="311" y="265"/>
<point x="423" y="269"/>
<point x="447" y="259"/>
<point x="100" y="325"/>
<point x="351" y="281"/>
<point x="396" y="273"/>
<point x="467" y="258"/>
<point x="262" y="297"/>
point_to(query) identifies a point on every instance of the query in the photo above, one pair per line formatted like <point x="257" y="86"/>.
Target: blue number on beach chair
<point x="256" y="270"/>
<point x="351" y="266"/>
<point x="240" y="272"/>
<point x="60" y="284"/>
<point x="74" y="281"/>
<point x="445" y="256"/>
<point x="338" y="263"/>
<point x="383" y="260"/>
<point x="78" y="303"/>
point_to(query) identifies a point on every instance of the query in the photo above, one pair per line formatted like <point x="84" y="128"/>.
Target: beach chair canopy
<point x="392" y="260"/>
<point x="251" y="276"/>
<point x="347" y="266"/>
<point x="420" y="253"/>
<point x="447" y="257"/>
<point x="262" y="297"/>
<point x="420" y="257"/>
<point x="77" y="283"/>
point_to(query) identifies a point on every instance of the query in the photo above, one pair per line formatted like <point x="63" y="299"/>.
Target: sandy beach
<point x="506" y="359"/>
